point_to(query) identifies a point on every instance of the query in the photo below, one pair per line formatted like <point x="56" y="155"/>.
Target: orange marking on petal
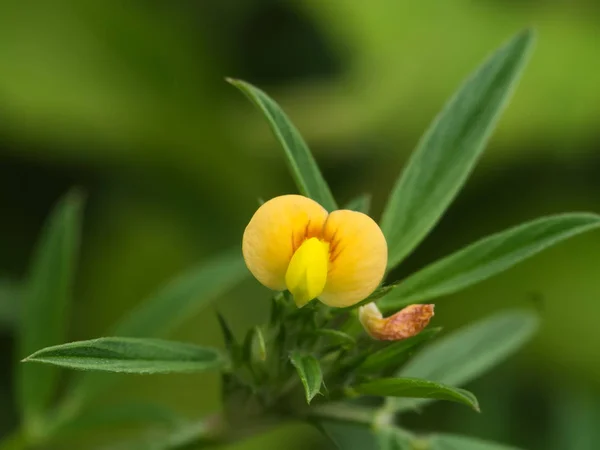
<point x="357" y="251"/>
<point x="277" y="229"/>
<point x="358" y="258"/>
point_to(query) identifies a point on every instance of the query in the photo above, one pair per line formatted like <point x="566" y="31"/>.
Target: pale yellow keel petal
<point x="275" y="232"/>
<point x="358" y="258"/>
<point x="307" y="272"/>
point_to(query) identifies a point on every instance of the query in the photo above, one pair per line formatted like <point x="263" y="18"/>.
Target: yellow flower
<point x="292" y="243"/>
<point x="407" y="322"/>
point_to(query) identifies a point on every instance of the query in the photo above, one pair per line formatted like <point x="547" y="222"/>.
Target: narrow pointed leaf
<point x="277" y="312"/>
<point x="575" y="417"/>
<point x="303" y="166"/>
<point x="127" y="413"/>
<point x="448" y="151"/>
<point x="396" y="352"/>
<point x="463" y="355"/>
<point x="228" y="336"/>
<point x="197" y="434"/>
<point x="394" y="439"/>
<point x="334" y="336"/>
<point x="348" y="436"/>
<point x="184" y="297"/>
<point x="254" y="346"/>
<point x="362" y="204"/>
<point x="186" y="436"/>
<point x="417" y="388"/>
<point x="309" y="371"/>
<point x="46" y="301"/>
<point x="486" y="258"/>
<point x="454" y="442"/>
<point x="260" y="345"/>
<point x="231" y="345"/>
<point x="131" y="355"/>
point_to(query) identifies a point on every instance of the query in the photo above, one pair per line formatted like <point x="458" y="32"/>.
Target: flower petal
<point x="358" y="258"/>
<point x="307" y="272"/>
<point x="274" y="233"/>
<point x="406" y="323"/>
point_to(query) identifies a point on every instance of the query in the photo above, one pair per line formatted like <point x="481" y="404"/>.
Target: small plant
<point x="327" y="346"/>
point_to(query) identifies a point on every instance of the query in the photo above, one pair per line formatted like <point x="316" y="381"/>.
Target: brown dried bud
<point x="407" y="322"/>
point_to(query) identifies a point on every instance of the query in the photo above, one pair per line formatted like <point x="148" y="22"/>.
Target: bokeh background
<point x="128" y="100"/>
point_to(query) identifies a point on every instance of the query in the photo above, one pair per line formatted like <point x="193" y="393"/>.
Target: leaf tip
<point x="529" y="33"/>
<point x="526" y="39"/>
<point x="234" y="81"/>
<point x="76" y="194"/>
<point x="473" y="402"/>
<point x="310" y="398"/>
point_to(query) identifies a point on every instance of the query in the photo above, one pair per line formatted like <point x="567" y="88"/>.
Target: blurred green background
<point x="128" y="100"/>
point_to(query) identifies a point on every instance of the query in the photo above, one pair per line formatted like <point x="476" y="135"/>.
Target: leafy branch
<point x="316" y="363"/>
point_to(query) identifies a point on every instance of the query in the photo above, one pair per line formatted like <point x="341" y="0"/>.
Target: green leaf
<point x="310" y="374"/>
<point x="128" y="413"/>
<point x="303" y="166"/>
<point x="362" y="204"/>
<point x="448" y="151"/>
<point x="228" y="337"/>
<point x="254" y="346"/>
<point x="574" y="419"/>
<point x="463" y="355"/>
<point x="348" y="436"/>
<point x="233" y="349"/>
<point x="131" y="355"/>
<point x="416" y="388"/>
<point x="197" y="434"/>
<point x="183" y="297"/>
<point x="390" y="438"/>
<point x="486" y="258"/>
<point x="46" y="302"/>
<point x="334" y="336"/>
<point x="278" y="307"/>
<point x="453" y="442"/>
<point x="397" y="352"/>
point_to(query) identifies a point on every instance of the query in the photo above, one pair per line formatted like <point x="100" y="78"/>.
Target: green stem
<point x="385" y="415"/>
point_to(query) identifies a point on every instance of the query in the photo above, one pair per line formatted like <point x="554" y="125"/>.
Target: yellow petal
<point x="408" y="322"/>
<point x="358" y="258"/>
<point x="275" y="232"/>
<point x="307" y="272"/>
